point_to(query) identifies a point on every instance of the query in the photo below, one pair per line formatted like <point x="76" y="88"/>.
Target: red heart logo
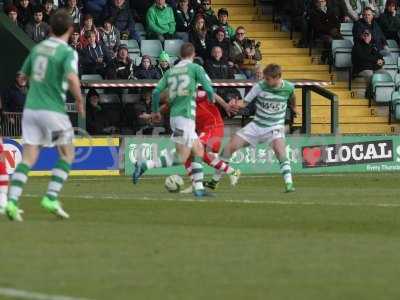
<point x="312" y="155"/>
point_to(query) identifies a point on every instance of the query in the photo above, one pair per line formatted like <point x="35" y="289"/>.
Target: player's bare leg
<point x="19" y="179"/>
<point x="235" y="143"/>
<point x="59" y="175"/>
<point x="279" y="147"/>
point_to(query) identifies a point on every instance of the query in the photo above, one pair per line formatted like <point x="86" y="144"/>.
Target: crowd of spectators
<point x="101" y="28"/>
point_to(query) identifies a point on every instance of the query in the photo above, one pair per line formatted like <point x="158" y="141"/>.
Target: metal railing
<point x="11" y="124"/>
<point x="307" y="86"/>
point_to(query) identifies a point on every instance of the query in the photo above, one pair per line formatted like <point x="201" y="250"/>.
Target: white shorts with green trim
<point x="254" y="134"/>
<point x="183" y="131"/>
<point x="46" y="128"/>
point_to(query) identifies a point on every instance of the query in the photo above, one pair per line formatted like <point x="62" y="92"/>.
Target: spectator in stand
<point x="25" y="12"/>
<point x="223" y="23"/>
<point x="48" y="10"/>
<point x="95" y="8"/>
<point x="220" y="40"/>
<point x="199" y="37"/>
<point x="96" y="117"/>
<point x="365" y="57"/>
<point x="160" y="21"/>
<point x="354" y="8"/>
<point x="121" y="67"/>
<point x="184" y="16"/>
<point x="368" y="22"/>
<point x="146" y="70"/>
<point x="74" y="40"/>
<point x="12" y="13"/>
<point x="338" y="7"/>
<point x="37" y="30"/>
<point x="298" y="12"/>
<point x="216" y="67"/>
<point x="208" y="13"/>
<point x="245" y="53"/>
<point x="95" y="56"/>
<point x="74" y="11"/>
<point x="119" y="12"/>
<point x="88" y="27"/>
<point x="142" y="114"/>
<point x="389" y="21"/>
<point x="141" y="8"/>
<point x="13" y="98"/>
<point x="325" y="23"/>
<point x="163" y="63"/>
<point x="110" y="37"/>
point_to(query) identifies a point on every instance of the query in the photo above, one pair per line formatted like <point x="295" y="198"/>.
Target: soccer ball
<point x="174" y="183"/>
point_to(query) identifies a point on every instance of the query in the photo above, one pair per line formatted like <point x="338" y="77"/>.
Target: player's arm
<point x="205" y="81"/>
<point x="240" y="104"/>
<point x="293" y="105"/>
<point x="75" y="89"/>
<point x="156" y="96"/>
<point x="229" y="108"/>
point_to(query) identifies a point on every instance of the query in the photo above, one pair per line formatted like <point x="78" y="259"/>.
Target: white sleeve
<point x="253" y="93"/>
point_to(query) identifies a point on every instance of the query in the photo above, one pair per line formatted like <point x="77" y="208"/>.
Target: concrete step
<point x="344" y="120"/>
<point x="287" y="59"/>
<point x="237" y="10"/>
<point x="383" y="128"/>
<point x="266" y="50"/>
<point x="345" y="111"/>
<point x="228" y="3"/>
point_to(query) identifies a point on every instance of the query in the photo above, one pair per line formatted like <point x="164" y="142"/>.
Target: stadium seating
<point x="133" y="46"/>
<point x="382" y="87"/>
<point x="394" y="48"/>
<point x="130" y="98"/>
<point x="390" y="66"/>
<point x="152" y="48"/>
<point x="172" y="47"/>
<point x="91" y="77"/>
<point x="346" y="30"/>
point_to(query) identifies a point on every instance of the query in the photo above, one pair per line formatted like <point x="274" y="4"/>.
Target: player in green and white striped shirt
<point x="52" y="69"/>
<point x="272" y="96"/>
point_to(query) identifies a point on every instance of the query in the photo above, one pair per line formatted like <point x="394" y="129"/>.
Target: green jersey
<point x="182" y="81"/>
<point x="271" y="103"/>
<point x="47" y="67"/>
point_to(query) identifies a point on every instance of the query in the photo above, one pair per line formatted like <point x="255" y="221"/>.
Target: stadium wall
<point x="308" y="154"/>
<point x="15" y="46"/>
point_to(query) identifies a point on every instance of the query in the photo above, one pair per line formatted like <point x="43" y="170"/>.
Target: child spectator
<point x="160" y="21"/>
<point x="110" y="37"/>
<point x="163" y="63"/>
<point x="37" y="30"/>
<point x="88" y="26"/>
<point x="48" y="10"/>
<point x="208" y="13"/>
<point x="200" y="39"/>
<point x="121" y="67"/>
<point x="25" y="12"/>
<point x="184" y="16"/>
<point x="95" y="56"/>
<point x="119" y="12"/>
<point x="146" y="70"/>
<point x="74" y="11"/>
<point x="74" y="40"/>
<point x="223" y="23"/>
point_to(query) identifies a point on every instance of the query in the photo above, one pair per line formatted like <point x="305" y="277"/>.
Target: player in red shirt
<point x="210" y="128"/>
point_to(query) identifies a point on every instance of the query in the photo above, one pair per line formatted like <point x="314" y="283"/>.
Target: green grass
<point x="337" y="237"/>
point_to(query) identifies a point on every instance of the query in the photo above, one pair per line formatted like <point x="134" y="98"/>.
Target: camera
<point x="251" y="44"/>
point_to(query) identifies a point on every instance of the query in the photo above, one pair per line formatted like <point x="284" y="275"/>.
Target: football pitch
<point x="336" y="237"/>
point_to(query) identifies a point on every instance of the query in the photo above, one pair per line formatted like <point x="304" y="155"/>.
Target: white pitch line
<point x="216" y="200"/>
<point x="26" y="295"/>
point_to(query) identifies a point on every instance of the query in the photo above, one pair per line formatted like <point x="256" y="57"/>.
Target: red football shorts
<point x="212" y="139"/>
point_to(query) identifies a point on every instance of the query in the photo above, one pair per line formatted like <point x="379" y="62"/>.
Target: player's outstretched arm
<point x="205" y="81"/>
<point x="75" y="89"/>
<point x="229" y="108"/>
<point x="293" y="104"/>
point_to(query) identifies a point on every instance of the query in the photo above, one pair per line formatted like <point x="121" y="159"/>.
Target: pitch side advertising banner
<point x="307" y="155"/>
<point x="93" y="156"/>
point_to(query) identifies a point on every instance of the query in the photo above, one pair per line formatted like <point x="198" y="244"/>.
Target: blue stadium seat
<point x="173" y="47"/>
<point x="152" y="48"/>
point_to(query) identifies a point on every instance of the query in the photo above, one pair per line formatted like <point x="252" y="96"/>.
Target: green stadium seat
<point x="133" y="46"/>
<point x="390" y="66"/>
<point x="382" y="87"/>
<point x="341" y="53"/>
<point x="109" y="98"/>
<point x="346" y="29"/>
<point x="91" y="77"/>
<point x="239" y="77"/>
<point x="394" y="48"/>
<point x="152" y="48"/>
<point x="173" y="47"/>
<point x="130" y="98"/>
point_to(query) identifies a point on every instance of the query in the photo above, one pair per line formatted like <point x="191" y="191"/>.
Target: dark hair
<point x="37" y="9"/>
<point x="223" y="11"/>
<point x="60" y="22"/>
<point x="187" y="50"/>
<point x="370" y="9"/>
<point x="273" y="70"/>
